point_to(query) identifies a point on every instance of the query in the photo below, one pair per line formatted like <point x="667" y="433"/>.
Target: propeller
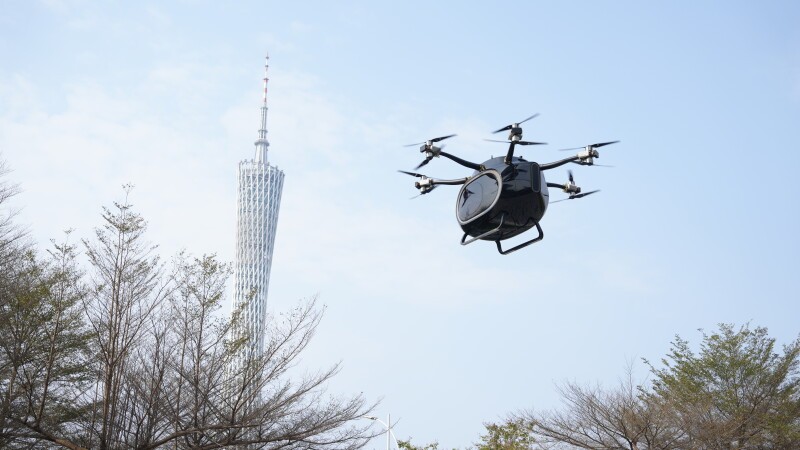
<point x="517" y="142"/>
<point x="588" y="147"/>
<point x="515" y="125"/>
<point x="515" y="136"/>
<point x="433" y="152"/>
<point x="573" y="190"/>
<point x="572" y="197"/>
<point x="413" y="174"/>
<point x="587" y="154"/>
<point x="424" y="184"/>
<point x="593" y="164"/>
<point x="431" y="141"/>
<point x="570" y="187"/>
<point x="583" y="194"/>
<point x="429" y="149"/>
<point x="423" y="193"/>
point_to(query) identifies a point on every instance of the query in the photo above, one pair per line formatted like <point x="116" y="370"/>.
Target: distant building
<point x="258" y="200"/>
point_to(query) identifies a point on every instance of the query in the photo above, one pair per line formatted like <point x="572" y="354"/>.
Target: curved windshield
<point x="477" y="196"/>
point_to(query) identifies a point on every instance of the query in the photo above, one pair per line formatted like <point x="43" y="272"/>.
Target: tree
<point x="13" y="239"/>
<point x="134" y="355"/>
<point x="42" y="335"/>
<point x="127" y="288"/>
<point x="407" y="445"/>
<point x="736" y="393"/>
<point x="173" y="371"/>
<point x="514" y="434"/>
<point x="609" y="419"/>
<point x="44" y="345"/>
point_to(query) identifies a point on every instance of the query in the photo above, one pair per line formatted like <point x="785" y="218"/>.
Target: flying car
<point x="507" y="195"/>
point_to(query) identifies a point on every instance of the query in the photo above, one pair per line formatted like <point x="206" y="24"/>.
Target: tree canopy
<point x="134" y="353"/>
<point x="736" y="393"/>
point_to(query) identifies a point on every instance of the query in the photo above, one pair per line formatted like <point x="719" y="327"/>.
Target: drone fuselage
<point x="502" y="201"/>
<point x="504" y="196"/>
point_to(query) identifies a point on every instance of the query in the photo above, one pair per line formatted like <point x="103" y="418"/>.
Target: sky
<point x="697" y="223"/>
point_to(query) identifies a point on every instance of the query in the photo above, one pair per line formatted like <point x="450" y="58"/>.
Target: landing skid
<point x="464" y="240"/>
<point x="523" y="245"/>
<point x="488" y="233"/>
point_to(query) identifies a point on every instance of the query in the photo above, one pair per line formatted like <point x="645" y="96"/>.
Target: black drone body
<point x="504" y="196"/>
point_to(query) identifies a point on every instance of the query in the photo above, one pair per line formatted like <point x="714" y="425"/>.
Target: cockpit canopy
<point x="478" y="196"/>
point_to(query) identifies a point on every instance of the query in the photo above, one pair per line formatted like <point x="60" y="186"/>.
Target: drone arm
<point x="465" y="163"/>
<point x="426" y="184"/>
<point x="455" y="182"/>
<point x="510" y="153"/>
<point x="569" y="188"/>
<point x="560" y="163"/>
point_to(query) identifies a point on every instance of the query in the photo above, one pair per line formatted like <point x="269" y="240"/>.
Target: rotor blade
<point x="529" y="118"/>
<point x="432" y="140"/>
<point x="590" y="145"/>
<point x="593" y="165"/>
<point x="573" y="197"/>
<point x="442" y="138"/>
<point x="585" y="194"/>
<point x="427" y="192"/>
<point x="517" y="142"/>
<point x="508" y="127"/>
<point x="569" y="172"/>
<point x="412" y="174"/>
<point x="505" y="128"/>
<point x="603" y="143"/>
<point x="425" y="161"/>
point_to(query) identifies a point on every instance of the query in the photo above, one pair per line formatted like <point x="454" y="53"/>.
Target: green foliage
<point x="43" y="345"/>
<point x="514" y="434"/>
<point x="407" y="445"/>
<point x="736" y="391"/>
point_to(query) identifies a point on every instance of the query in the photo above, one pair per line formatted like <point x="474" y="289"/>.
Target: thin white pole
<point x="388" y="431"/>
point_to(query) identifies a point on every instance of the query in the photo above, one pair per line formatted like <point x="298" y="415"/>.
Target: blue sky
<point x="696" y="225"/>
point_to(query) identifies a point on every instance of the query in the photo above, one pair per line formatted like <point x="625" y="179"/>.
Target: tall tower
<point x="258" y="201"/>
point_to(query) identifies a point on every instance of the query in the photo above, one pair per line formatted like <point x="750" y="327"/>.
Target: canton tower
<point x="258" y="200"/>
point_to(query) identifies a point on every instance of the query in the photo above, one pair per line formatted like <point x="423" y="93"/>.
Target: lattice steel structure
<point x="258" y="202"/>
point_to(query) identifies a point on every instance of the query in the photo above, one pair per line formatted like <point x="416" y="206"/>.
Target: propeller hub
<point x="429" y="149"/>
<point x="587" y="156"/>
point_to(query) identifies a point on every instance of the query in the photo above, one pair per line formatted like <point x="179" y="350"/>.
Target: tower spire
<point x="262" y="145"/>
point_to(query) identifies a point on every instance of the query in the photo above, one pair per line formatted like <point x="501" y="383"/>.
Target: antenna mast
<point x="262" y="145"/>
